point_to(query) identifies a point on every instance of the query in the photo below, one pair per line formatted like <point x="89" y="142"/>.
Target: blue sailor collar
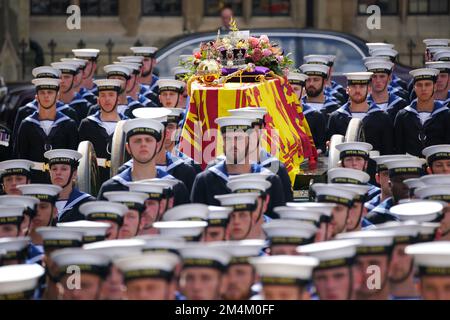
<point x="345" y="109"/>
<point x="75" y="197"/>
<point x="34" y="104"/>
<point x="438" y="108"/>
<point x="96" y="118"/>
<point x="125" y="176"/>
<point x="34" y="118"/>
<point x="78" y="99"/>
<point x="384" y="207"/>
<point x="172" y="161"/>
<point x="220" y="169"/>
<point x="265" y="158"/>
<point x="392" y="100"/>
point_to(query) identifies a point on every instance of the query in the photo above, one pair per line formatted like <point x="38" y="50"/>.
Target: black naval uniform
<point x="70" y="211"/>
<point x="32" y="142"/>
<point x="91" y="129"/>
<point x="329" y="106"/>
<point x="269" y="162"/>
<point x="213" y="181"/>
<point x="377" y="126"/>
<point x="80" y="105"/>
<point x="393" y="105"/>
<point x="317" y="124"/>
<point x="411" y="136"/>
<point x="120" y="181"/>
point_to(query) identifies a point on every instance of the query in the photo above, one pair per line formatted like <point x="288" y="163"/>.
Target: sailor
<point x="357" y="212"/>
<point x="442" y="93"/>
<point x="438" y="159"/>
<point x="182" y="74"/>
<point x="377" y="126"/>
<point x="297" y="80"/>
<point x="88" y="89"/>
<point x="28" y="205"/>
<point x="343" y="198"/>
<point x="14" y="173"/>
<point x="92" y="231"/>
<point x="336" y="276"/>
<point x="45" y="129"/>
<point x="236" y="132"/>
<point x="398" y="170"/>
<point x="149" y="276"/>
<point x="93" y="267"/>
<point x="355" y="155"/>
<point x="203" y="273"/>
<point x="99" y="128"/>
<point x="170" y="92"/>
<point x="387" y="101"/>
<point x="105" y="211"/>
<point x="413" y="184"/>
<point x="218" y="219"/>
<point x="11" y="219"/>
<point x="315" y="84"/>
<point x="392" y="54"/>
<point x="63" y="168"/>
<point x="15" y="250"/>
<point x="189" y="212"/>
<point x="18" y="282"/>
<point x="190" y="231"/>
<point x="284" y="277"/>
<point x="148" y="78"/>
<point x="135" y="202"/>
<point x="432" y="260"/>
<point x="143" y="138"/>
<point x="425" y="121"/>
<point x="241" y="274"/>
<point x="71" y="78"/>
<point x="285" y="235"/>
<point x="29" y="108"/>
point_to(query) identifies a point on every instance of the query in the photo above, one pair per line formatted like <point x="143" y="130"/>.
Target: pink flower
<point x="267" y="52"/>
<point x="254" y="42"/>
<point x="257" y="55"/>
<point x="280" y="59"/>
<point x="264" y="39"/>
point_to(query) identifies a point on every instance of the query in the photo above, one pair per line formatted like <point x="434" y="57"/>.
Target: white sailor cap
<point x="385" y="52"/>
<point x="43" y="192"/>
<point x="289" y="232"/>
<point x="201" y="255"/>
<point x="233" y="123"/>
<point x="63" y="156"/>
<point x="371" y="241"/>
<point x="255" y="113"/>
<point x="263" y="175"/>
<point x="157" y="114"/>
<point x="347" y="175"/>
<point x="442" y="55"/>
<point x="442" y="66"/>
<point x="324" y="209"/>
<point x="153" y="190"/>
<point x="143" y="126"/>
<point x="434" y="192"/>
<point x="115" y="249"/>
<point x="190" y="211"/>
<point x="66" y="67"/>
<point x="297" y="78"/>
<point x="46" y="72"/>
<point x="92" y="231"/>
<point x="316" y="59"/>
<point x="349" y="149"/>
<point x="46" y="84"/>
<point x="133" y="200"/>
<point x="284" y="269"/>
<point x="311" y="69"/>
<point x="16" y="248"/>
<point x="424" y="74"/>
<point x="371" y="59"/>
<point x="437" y="152"/>
<point x="58" y="238"/>
<point x="379" y="45"/>
<point x="248" y="185"/>
<point x="170" y="85"/>
<point x="16" y="200"/>
<point x="148" y="52"/>
<point x="432" y="258"/>
<point x="175" y="115"/>
<point x="358" y="77"/>
<point x="331" y="254"/>
<point x="414" y="183"/>
<point x="334" y="193"/>
<point x="240" y="251"/>
<point x="117" y="70"/>
<point x="427" y="231"/>
<point x="302" y="214"/>
<point x="86" y="260"/>
<point x="109" y="84"/>
<point x="103" y="210"/>
<point x="86" y="53"/>
<point x="11" y="214"/>
<point x="189" y="230"/>
<point x="419" y="211"/>
<point x="134" y="67"/>
<point x="436" y="42"/>
<point x="166" y="183"/>
<point x="360" y="191"/>
<point x="218" y="216"/>
<point x="180" y="72"/>
<point x="381" y="160"/>
<point x="18" y="282"/>
<point x="405" y="166"/>
<point x="131" y="59"/>
<point x="15" y="167"/>
<point x="148" y="265"/>
<point x="436" y="179"/>
<point x="405" y="231"/>
<point x="379" y="66"/>
<point x="158" y="242"/>
<point x="80" y="63"/>
<point x="239" y="201"/>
